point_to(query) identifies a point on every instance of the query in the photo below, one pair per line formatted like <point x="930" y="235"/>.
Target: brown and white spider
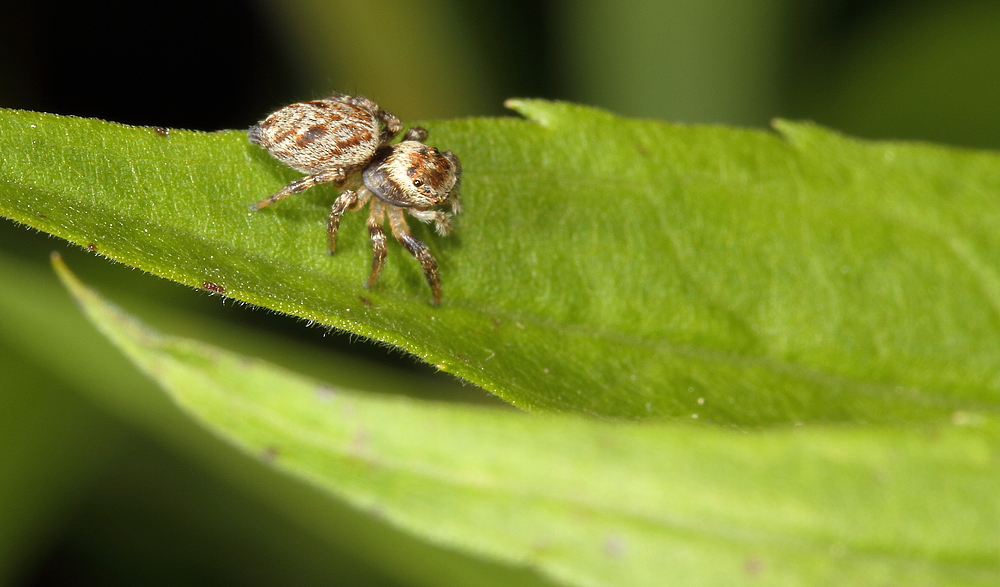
<point x="344" y="140"/>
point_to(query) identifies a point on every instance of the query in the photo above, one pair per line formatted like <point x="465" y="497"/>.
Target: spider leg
<point x="441" y="220"/>
<point x="337" y="176"/>
<point x="363" y="196"/>
<point x="416" y="133"/>
<point x="455" y="202"/>
<point x="348" y="200"/>
<point x="418" y="249"/>
<point x="392" y="125"/>
<point x="375" y="218"/>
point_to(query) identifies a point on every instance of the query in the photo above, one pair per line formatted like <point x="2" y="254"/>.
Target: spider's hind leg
<point x="416" y="133"/>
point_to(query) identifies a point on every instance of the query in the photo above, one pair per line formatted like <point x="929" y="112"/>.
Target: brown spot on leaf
<point x="753" y="566"/>
<point x="161" y="131"/>
<point x="325" y="392"/>
<point x="359" y="442"/>
<point x="269" y="454"/>
<point x="366" y="301"/>
<point x="614" y="546"/>
<point x="92" y="247"/>
<point x="213" y="287"/>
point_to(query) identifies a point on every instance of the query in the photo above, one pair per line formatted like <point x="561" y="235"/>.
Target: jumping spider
<point x="341" y="137"/>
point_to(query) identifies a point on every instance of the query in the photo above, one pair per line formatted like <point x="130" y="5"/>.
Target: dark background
<point x="926" y="70"/>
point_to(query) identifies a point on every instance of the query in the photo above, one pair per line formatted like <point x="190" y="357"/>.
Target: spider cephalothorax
<point x="334" y="139"/>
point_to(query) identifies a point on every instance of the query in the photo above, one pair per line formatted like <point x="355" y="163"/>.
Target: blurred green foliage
<point x="584" y="501"/>
<point x="874" y="68"/>
<point x="929" y="71"/>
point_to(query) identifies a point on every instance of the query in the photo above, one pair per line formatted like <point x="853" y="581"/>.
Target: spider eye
<point x="417" y="183"/>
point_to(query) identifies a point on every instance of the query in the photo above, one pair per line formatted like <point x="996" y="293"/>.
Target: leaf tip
<point x="798" y="132"/>
<point x="541" y="112"/>
<point x="547" y="113"/>
<point x="65" y="275"/>
<point x="522" y="106"/>
<point x="785" y="128"/>
<point x="84" y="297"/>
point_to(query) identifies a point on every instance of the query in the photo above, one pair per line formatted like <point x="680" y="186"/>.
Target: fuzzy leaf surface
<point x="588" y="502"/>
<point x="608" y="266"/>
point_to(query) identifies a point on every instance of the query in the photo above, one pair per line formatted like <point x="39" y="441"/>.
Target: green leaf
<point x="586" y="502"/>
<point x="49" y="350"/>
<point x="615" y="267"/>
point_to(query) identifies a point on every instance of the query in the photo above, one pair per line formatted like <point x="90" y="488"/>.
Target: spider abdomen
<point x="319" y="135"/>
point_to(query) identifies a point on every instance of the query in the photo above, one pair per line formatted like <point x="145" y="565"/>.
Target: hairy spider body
<point x="341" y="137"/>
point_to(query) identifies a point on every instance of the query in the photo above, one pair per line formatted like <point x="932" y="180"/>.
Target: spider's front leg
<point x="441" y="220"/>
<point x="418" y="249"/>
<point x="336" y="176"/>
<point x="348" y="200"/>
<point x="455" y="202"/>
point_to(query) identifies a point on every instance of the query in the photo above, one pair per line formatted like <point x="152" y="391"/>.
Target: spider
<point x="344" y="140"/>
